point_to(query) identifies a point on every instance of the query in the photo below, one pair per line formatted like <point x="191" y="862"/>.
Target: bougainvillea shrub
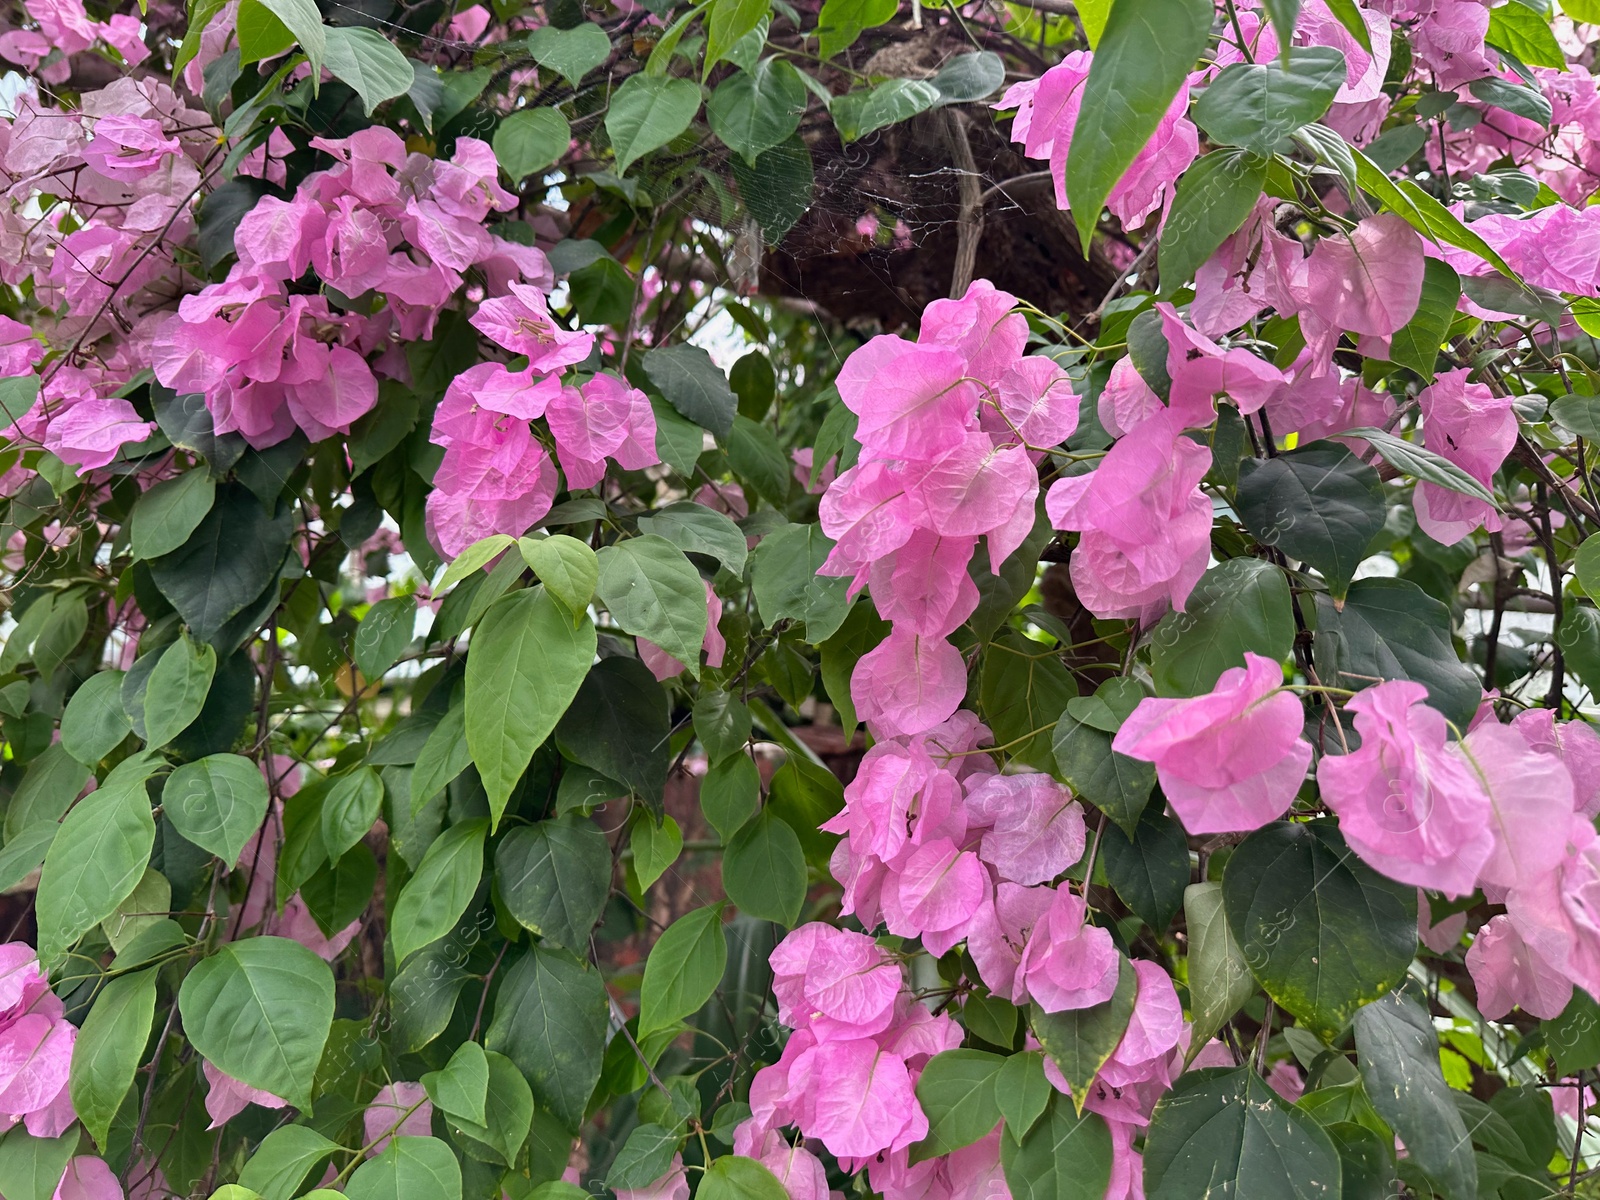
<point x="505" y="694"/>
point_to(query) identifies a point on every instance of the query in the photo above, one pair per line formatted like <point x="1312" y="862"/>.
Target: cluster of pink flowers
<point x="65" y="25"/>
<point x="36" y="1043"/>
<point x="952" y="427"/>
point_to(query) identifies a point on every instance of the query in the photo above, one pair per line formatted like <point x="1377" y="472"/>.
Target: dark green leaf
<point x="696" y="529"/>
<point x="1398" y="1051"/>
<point x="384" y="634"/>
<point x="1318" y="503"/>
<point x="693" y="384"/>
<point x="1218" y="1125"/>
<point x="758" y="460"/>
<point x="777" y="186"/>
<point x="1574" y="1037"/>
<point x="784" y="576"/>
<point x="730" y="793"/>
<point x="1023" y="692"/>
<point x="1214" y="196"/>
<point x="554" y="877"/>
<point x="618" y="724"/>
<point x="1117" y="785"/>
<point x="755" y="110"/>
<point x="957" y="1092"/>
<point x="1065" y="1156"/>
<point x="461" y="1087"/>
<point x="1080" y="1040"/>
<point x="436" y="896"/>
<point x="550" y="1019"/>
<point x="351" y="807"/>
<point x="1023" y="1091"/>
<point x="1514" y="98"/>
<point x="858" y="113"/>
<point x="1150" y="871"/>
<point x="286" y="1156"/>
<point x="176" y="691"/>
<point x="969" y="77"/>
<point x="95" y="722"/>
<point x="1239" y="605"/>
<point x="30" y="1167"/>
<point x="722" y="723"/>
<point x="1321" y="931"/>
<point x="1392" y="629"/>
<point x="653" y="591"/>
<point x="1219" y="977"/>
<point x="764" y="871"/>
<point x="644" y="1158"/>
<point x="1257" y="105"/>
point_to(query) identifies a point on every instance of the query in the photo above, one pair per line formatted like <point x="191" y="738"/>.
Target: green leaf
<point x="571" y="53"/>
<point x="696" y="529"/>
<point x="461" y="1088"/>
<point x="1239" y="605"/>
<point x="653" y="591"/>
<point x="230" y="559"/>
<point x="260" y="1010"/>
<point x="722" y="723"/>
<point x="647" y="112"/>
<point x="957" y="1092"/>
<point x="282" y="1162"/>
<point x="1581" y="415"/>
<point x="1219" y="978"/>
<point x="1574" y="1037"/>
<point x="1023" y="1091"/>
<point x="1150" y="871"/>
<point x="339" y="892"/>
<point x="692" y="383"/>
<point x="758" y="460"/>
<point x="735" y="1178"/>
<point x="644" y="1158"/>
<point x="752" y="377"/>
<point x="177" y="689"/>
<point x="1416" y="344"/>
<point x="108" y="1050"/>
<point x="1320" y="930"/>
<point x="97" y="857"/>
<point x="1023" y="692"/>
<point x="603" y="292"/>
<point x="550" y="1019"/>
<point x="1424" y="213"/>
<point x="410" y="1168"/>
<point x="436" y="896"/>
<point x="619" y="725"/>
<point x="730" y="794"/>
<point x="353" y="805"/>
<point x="777" y="187"/>
<point x="526" y="665"/>
<point x="305" y="22"/>
<point x="1257" y="105"/>
<point x="554" y="877"/>
<point x="52" y="783"/>
<point x="764" y="871"/>
<point x="95" y="722"/>
<point x="531" y="140"/>
<point x="1064" y="1156"/>
<point x="1526" y="34"/>
<point x="384" y="634"/>
<point x="1117" y="785"/>
<point x="1214" y="196"/>
<point x="727" y="22"/>
<point x="509" y="1116"/>
<point x="1514" y="98"/>
<point x="1144" y="55"/>
<point x="1421" y="463"/>
<point x="679" y="442"/>
<point x="1219" y="1124"/>
<point x="684" y="968"/>
<point x="165" y="515"/>
<point x="858" y="113"/>
<point x="784" y="577"/>
<point x="841" y="22"/>
<point x="1398" y="1052"/>
<point x="473" y="559"/>
<point x="861" y="630"/>
<point x="1080" y="1040"/>
<point x="443" y="757"/>
<point x="30" y="1167"/>
<point x="1318" y="503"/>
<point x="969" y="77"/>
<point x="1392" y="629"/>
<point x="369" y="63"/>
<point x="25" y="852"/>
<point x="654" y="847"/>
<point x="567" y="568"/>
<point x="217" y="803"/>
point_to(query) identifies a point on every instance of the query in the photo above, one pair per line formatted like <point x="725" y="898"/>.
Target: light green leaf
<point x="508" y="1116"/>
<point x="217" y="803"/>
<point x="728" y="21"/>
<point x="1022" y="1090"/>
<point x="1424" y="213"/>
<point x="722" y="723"/>
<point x="969" y="77"/>
<point x="436" y="896"/>
<point x="841" y="22"/>
<point x="754" y="110"/>
<point x="97" y="857"/>
<point x="352" y="805"/>
<point x="1416" y="344"/>
<point x="1214" y="197"/>
<point x="260" y="1010"/>
<point x="654" y="847"/>
<point x="1145" y="53"/>
<point x="1421" y="463"/>
<point x="410" y="1168"/>
<point x="764" y="871"/>
<point x="95" y="722"/>
<point x="858" y="113"/>
<point x="30" y="1167"/>
<point x="368" y="62"/>
<point x="530" y="140"/>
<point x="108" y="1049"/>
<point x="567" y="568"/>
<point x="305" y="22"/>
<point x="647" y="112"/>
<point x="1526" y="33"/>
<point x="730" y="794"/>
<point x="474" y="558"/>
<point x="653" y="591"/>
<point x="957" y="1092"/>
<point x="281" y="1163"/>
<point x="165" y="516"/>
<point x="684" y="968"/>
<point x="787" y="586"/>
<point x="177" y="689"/>
<point x="1256" y="105"/>
<point x="736" y="1178"/>
<point x="461" y="1087"/>
<point x="526" y="665"/>
<point x="571" y="53"/>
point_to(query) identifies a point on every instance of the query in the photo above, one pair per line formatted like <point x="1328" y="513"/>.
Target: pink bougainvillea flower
<point x="1509" y="973"/>
<point x="982" y="326"/>
<point x="999" y="933"/>
<point x="1146" y="525"/>
<point x="20" y="351"/>
<point x="868" y="514"/>
<point x="1369" y="280"/>
<point x="1408" y="802"/>
<point x="912" y="400"/>
<point x="1530" y="795"/>
<point x="940" y="887"/>
<point x="227" y="1097"/>
<point x="398" y="1110"/>
<point x="1153" y="1032"/>
<point x="924" y="586"/>
<point x="1475" y="429"/>
<point x="1230" y="760"/>
<point x="1126" y="400"/>
<point x="1036" y="828"/>
<point x="1558" y="913"/>
<point x="1067" y="962"/>
<point x="128" y="148"/>
<point x="674" y="1185"/>
<point x="976" y="486"/>
<point x="88" y="1178"/>
<point x="89" y="433"/>
<point x="1200" y="370"/>
<point x="799" y="1171"/>
<point x="521" y="322"/>
<point x="1439" y="936"/>
<point x="1575" y="743"/>
<point x="908" y="684"/>
<point x="836" y="983"/>
<point x="856" y="1098"/>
